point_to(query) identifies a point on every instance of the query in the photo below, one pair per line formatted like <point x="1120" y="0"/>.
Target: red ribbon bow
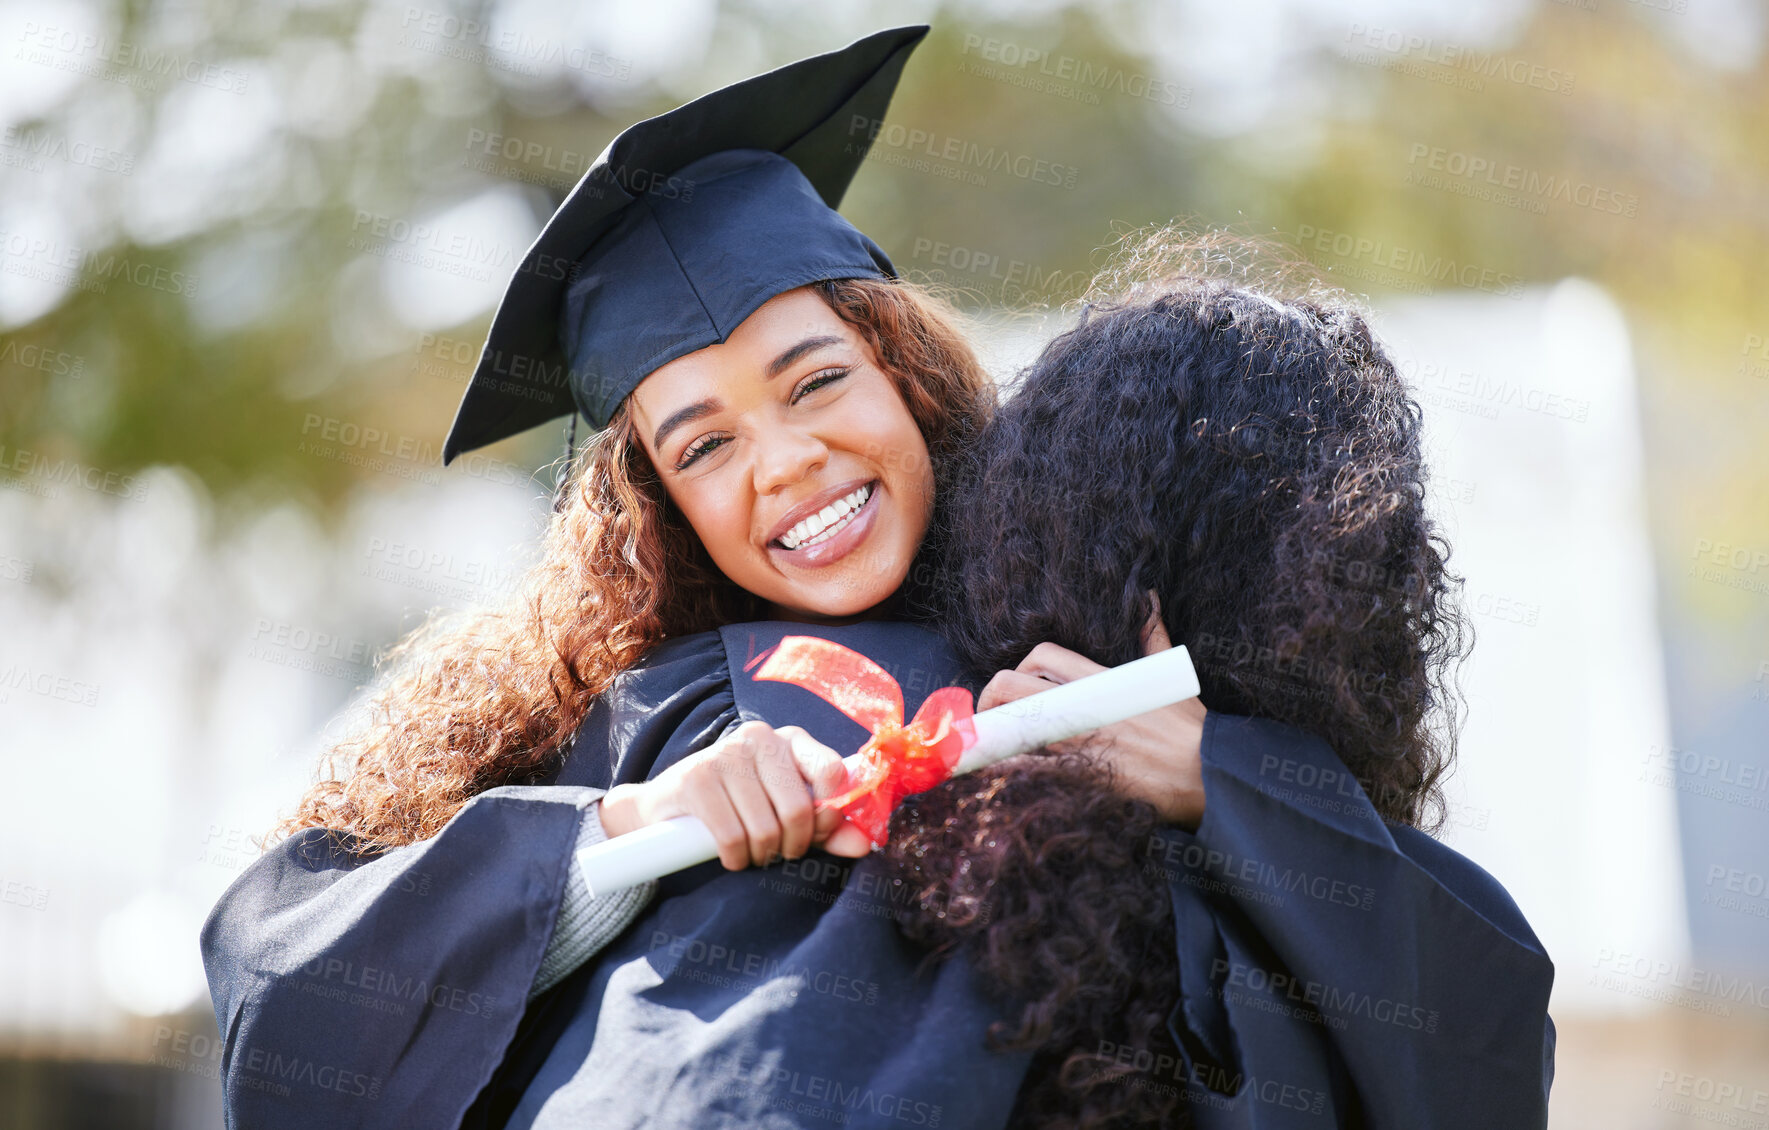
<point x="898" y="760"/>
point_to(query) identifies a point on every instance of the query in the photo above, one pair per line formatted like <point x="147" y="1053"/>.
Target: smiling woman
<point x="672" y="531"/>
<point x="873" y="398"/>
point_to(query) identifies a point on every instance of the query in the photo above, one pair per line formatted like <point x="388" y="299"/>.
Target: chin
<point x="835" y="600"/>
<point x="838" y="606"/>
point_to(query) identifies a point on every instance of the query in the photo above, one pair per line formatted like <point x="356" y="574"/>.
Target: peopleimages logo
<point x="38" y="470"/>
<point x="1376" y="42"/>
<point x="1065" y="76"/>
<point x="960" y="153"/>
<point x="37" y="144"/>
<point x="1408" y="261"/>
<point x="85" y="53"/>
<point x="957" y="265"/>
<point x="1492" y="173"/>
<point x="71" y="266"/>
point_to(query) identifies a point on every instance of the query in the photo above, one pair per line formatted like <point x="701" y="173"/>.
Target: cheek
<point x="718" y="516"/>
<point x="886" y="432"/>
<point x="906" y="463"/>
<point x="918" y="480"/>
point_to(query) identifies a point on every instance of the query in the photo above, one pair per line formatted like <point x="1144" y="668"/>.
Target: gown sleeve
<point x="354" y="988"/>
<point x="1333" y="964"/>
<point x="586" y="922"/>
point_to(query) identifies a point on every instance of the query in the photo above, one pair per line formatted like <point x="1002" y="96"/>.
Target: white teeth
<point x="827" y="522"/>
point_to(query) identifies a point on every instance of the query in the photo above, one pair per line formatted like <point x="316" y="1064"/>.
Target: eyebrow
<point x="710" y="405"/>
<point x="683" y="416"/>
<point x="793" y="353"/>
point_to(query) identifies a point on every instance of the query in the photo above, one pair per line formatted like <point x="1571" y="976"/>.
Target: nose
<point x="784" y="456"/>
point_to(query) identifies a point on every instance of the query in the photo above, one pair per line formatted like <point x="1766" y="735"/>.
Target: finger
<point x="703" y="794"/>
<point x="1154" y="633"/>
<point x="849" y="841"/>
<point x="828" y="777"/>
<point x="789" y="786"/>
<point x="1009" y="686"/>
<point x="1057" y="663"/>
<point x="822" y="767"/>
<point x="740" y="768"/>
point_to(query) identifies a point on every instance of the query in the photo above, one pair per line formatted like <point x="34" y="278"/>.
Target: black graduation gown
<point x="1336" y="971"/>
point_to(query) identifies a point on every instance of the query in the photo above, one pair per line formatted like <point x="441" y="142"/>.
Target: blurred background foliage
<point x="1279" y="128"/>
<point x="258" y="243"/>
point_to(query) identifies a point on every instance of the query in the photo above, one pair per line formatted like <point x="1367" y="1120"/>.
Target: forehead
<point x="777" y="325"/>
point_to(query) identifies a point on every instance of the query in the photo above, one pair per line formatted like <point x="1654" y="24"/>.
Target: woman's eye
<point x="817" y="381"/>
<point x="698" y="449"/>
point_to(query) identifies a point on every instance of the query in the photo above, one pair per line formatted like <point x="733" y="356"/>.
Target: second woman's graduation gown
<point x="1335" y="970"/>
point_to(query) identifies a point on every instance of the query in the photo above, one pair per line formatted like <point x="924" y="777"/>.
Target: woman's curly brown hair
<point x="1255" y="461"/>
<point x="491" y="696"/>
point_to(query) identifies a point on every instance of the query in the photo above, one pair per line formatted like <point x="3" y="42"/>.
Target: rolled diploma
<point x="1021" y="726"/>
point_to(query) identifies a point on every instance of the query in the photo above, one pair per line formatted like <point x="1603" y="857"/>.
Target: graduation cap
<point x="681" y="229"/>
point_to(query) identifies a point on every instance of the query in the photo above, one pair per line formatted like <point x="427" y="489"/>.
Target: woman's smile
<point x="819" y="532"/>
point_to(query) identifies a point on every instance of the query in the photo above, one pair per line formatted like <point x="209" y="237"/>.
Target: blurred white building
<point x="1535" y="448"/>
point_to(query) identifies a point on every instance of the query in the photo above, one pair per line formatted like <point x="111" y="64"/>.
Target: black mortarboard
<point x="684" y="225"/>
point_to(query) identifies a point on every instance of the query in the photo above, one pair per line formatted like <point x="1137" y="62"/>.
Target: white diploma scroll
<point x="1063" y="712"/>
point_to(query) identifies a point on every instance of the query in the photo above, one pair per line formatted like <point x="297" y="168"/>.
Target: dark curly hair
<point x="1255" y="461"/>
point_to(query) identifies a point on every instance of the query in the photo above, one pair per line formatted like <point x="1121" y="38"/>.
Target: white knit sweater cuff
<point x="586" y="923"/>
